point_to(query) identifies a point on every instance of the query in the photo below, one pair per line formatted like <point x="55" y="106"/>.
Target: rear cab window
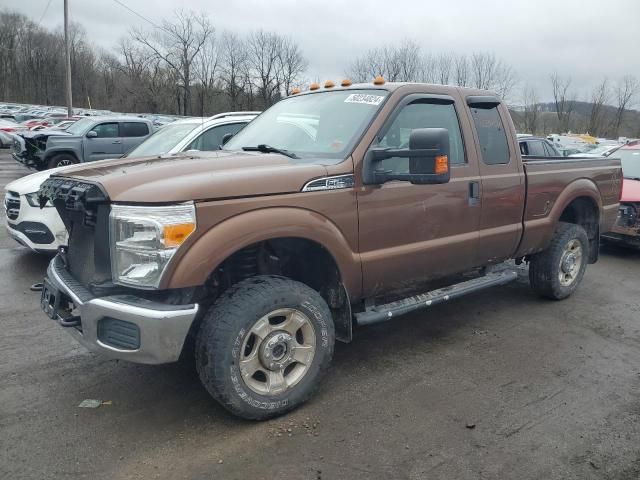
<point x="134" y="129"/>
<point x="492" y="136"/>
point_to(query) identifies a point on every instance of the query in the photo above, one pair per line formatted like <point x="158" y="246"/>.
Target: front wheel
<point x="557" y="271"/>
<point x="62" y="160"/>
<point x="264" y="346"/>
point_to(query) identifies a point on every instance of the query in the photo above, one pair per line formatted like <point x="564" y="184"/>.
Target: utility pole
<point x="67" y="54"/>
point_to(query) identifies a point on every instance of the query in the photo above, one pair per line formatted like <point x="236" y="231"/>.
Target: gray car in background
<point x="87" y="140"/>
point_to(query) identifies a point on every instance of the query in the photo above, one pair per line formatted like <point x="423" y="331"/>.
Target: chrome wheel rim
<point x="64" y="163"/>
<point x="570" y="263"/>
<point x="277" y="352"/>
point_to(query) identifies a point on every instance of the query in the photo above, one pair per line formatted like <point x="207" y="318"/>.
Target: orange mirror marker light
<point x="346" y="82"/>
<point x="379" y="80"/>
<point x="314" y="86"/>
<point x="329" y="84"/>
<point x="295" y="91"/>
<point x="442" y="164"/>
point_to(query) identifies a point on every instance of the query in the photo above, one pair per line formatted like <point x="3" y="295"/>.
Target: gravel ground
<point x="499" y="385"/>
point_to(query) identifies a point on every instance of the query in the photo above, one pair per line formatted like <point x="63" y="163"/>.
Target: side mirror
<point x="225" y="138"/>
<point x="428" y="155"/>
<point x="92" y="134"/>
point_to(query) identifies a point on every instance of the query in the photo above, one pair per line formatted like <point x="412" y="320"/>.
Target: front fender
<point x="209" y="250"/>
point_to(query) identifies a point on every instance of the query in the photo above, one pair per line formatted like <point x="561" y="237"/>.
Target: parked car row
<point x="41" y="229"/>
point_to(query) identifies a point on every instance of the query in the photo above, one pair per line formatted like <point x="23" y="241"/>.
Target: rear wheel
<point x="62" y="160"/>
<point x="557" y="271"/>
<point x="264" y="346"/>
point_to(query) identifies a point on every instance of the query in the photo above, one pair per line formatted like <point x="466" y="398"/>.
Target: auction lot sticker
<point x="363" y="98"/>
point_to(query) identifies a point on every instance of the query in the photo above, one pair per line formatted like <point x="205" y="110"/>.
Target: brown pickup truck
<point x="337" y="207"/>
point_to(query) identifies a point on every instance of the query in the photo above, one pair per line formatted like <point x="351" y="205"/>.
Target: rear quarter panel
<point x="552" y="184"/>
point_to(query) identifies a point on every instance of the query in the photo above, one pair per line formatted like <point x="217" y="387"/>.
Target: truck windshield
<point x="630" y="162"/>
<point x="81" y="126"/>
<point x="319" y="125"/>
<point x="163" y="140"/>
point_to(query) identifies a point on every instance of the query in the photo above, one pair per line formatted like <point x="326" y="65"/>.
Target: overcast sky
<point x="586" y="39"/>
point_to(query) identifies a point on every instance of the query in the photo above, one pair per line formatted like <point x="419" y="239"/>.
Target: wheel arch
<point x="581" y="204"/>
<point x="306" y="235"/>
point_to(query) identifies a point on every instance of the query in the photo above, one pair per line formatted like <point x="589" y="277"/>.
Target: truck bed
<point x="551" y="180"/>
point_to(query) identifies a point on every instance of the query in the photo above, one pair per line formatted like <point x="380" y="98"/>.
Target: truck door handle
<point x="474" y="193"/>
<point x="116" y="142"/>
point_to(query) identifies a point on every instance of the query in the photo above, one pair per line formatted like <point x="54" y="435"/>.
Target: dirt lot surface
<point x="500" y="385"/>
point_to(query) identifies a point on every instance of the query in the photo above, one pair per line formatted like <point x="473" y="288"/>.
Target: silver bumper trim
<point x="163" y="328"/>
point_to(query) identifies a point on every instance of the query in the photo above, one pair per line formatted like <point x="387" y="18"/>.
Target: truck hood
<point x="205" y="176"/>
<point x="46" y="132"/>
<point x="31" y="183"/>
<point x="630" y="190"/>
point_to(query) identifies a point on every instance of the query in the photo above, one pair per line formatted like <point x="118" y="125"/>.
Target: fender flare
<point x="220" y="241"/>
<point x="51" y="152"/>
<point x="581" y="187"/>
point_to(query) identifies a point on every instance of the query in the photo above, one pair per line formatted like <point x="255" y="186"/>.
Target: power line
<point x="138" y="14"/>
<point x="44" y="13"/>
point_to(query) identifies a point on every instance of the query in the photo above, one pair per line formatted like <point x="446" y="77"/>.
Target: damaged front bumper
<point x="119" y="326"/>
<point x="29" y="156"/>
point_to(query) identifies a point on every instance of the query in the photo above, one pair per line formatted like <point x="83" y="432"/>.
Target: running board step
<point x="381" y="313"/>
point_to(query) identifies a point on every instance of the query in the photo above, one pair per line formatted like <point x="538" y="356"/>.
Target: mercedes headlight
<point x="144" y="239"/>
<point x="33" y="200"/>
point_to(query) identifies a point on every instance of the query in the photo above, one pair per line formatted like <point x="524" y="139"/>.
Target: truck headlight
<point x="144" y="239"/>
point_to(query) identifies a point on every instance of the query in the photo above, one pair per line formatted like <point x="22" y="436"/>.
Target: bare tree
<point x="291" y="65"/>
<point x="234" y="59"/>
<point x="409" y="56"/>
<point x="531" y="111"/>
<point x="395" y="64"/>
<point x="207" y="72"/>
<point x="443" y="63"/>
<point x="563" y="104"/>
<point x="599" y="98"/>
<point x="625" y="91"/>
<point x="461" y="71"/>
<point x="178" y="44"/>
<point x="263" y="50"/>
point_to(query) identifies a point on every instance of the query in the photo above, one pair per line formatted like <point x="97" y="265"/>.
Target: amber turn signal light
<point x="314" y="86"/>
<point x="442" y="165"/>
<point x="379" y="80"/>
<point x="175" y="235"/>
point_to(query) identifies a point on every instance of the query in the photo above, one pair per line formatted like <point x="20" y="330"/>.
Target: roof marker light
<point x="329" y="84"/>
<point x="346" y="82"/>
<point x="295" y="91"/>
<point x="314" y="86"/>
<point x="379" y="80"/>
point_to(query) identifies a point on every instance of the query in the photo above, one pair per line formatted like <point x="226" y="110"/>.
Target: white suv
<point x="42" y="230"/>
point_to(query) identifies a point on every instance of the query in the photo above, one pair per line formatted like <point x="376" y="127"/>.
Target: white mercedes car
<point x="42" y="230"/>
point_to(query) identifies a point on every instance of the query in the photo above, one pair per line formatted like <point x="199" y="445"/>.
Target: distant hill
<point x="548" y="121"/>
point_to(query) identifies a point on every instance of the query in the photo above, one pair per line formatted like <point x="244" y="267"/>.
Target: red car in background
<point x="627" y="227"/>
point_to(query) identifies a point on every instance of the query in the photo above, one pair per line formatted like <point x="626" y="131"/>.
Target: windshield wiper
<point x="269" y="149"/>
<point x="632" y="178"/>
